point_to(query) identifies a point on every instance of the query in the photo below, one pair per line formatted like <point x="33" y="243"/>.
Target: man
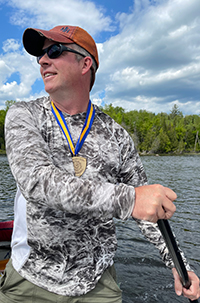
<point x="64" y="238"/>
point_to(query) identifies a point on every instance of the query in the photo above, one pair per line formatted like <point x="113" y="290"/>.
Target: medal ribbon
<point x="85" y="130"/>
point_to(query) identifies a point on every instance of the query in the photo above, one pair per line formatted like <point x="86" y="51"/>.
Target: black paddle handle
<point x="175" y="253"/>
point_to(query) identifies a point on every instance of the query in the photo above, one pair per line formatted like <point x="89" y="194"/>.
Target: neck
<point x="72" y="106"/>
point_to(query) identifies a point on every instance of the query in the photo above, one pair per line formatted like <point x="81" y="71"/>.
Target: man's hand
<point x="153" y="202"/>
<point x="193" y="293"/>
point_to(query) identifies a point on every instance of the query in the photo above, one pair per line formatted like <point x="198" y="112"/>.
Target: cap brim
<point x="33" y="40"/>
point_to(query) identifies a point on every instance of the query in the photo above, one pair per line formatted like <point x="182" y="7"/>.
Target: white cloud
<point x="152" y="62"/>
<point x="5" y="70"/>
<point x="155" y="55"/>
<point x="10" y="45"/>
<point x="18" y="63"/>
<point x="48" y="13"/>
<point x="41" y="14"/>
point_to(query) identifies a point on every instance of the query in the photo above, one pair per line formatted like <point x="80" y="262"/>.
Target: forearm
<point x="153" y="234"/>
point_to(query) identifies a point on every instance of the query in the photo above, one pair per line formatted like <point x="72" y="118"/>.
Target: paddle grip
<point x="175" y="253"/>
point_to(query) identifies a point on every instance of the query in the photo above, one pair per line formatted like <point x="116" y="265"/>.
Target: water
<point x="7" y="190"/>
<point x="141" y="273"/>
<point x="143" y="276"/>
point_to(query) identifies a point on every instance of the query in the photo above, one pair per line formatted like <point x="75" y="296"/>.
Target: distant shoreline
<point x="3" y="152"/>
<point x="170" y="154"/>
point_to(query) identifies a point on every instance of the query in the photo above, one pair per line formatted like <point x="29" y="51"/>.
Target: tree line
<point x="152" y="133"/>
<point x="159" y="133"/>
<point x="3" y="112"/>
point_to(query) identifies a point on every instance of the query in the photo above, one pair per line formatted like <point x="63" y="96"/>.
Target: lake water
<point x="141" y="273"/>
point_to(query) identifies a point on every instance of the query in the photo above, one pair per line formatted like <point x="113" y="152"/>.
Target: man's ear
<point x="87" y="64"/>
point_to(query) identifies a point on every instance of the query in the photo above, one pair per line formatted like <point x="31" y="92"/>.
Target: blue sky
<point x="149" y="50"/>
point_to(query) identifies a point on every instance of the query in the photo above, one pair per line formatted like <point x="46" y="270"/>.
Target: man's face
<point x="62" y="74"/>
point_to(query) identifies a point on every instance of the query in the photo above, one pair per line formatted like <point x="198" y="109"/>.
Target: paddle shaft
<point x="175" y="253"/>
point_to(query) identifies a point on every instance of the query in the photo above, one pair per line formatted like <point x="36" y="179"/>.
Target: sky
<point x="149" y="50"/>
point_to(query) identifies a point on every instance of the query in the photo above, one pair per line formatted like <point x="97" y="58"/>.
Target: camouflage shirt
<point x="70" y="229"/>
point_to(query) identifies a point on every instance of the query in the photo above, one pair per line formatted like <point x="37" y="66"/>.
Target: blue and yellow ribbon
<point x="85" y="130"/>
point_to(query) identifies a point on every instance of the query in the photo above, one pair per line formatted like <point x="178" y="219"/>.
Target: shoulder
<point x="32" y="104"/>
<point x="108" y="122"/>
<point x="22" y="108"/>
<point x="33" y="112"/>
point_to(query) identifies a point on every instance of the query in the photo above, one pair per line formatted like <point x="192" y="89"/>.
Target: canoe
<point x="6" y="229"/>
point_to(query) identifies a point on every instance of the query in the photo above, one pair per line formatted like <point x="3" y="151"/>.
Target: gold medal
<point x="78" y="162"/>
<point x="79" y="165"/>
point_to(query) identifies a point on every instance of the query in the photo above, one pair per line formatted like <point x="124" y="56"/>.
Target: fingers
<point x="193" y="292"/>
<point x="170" y="193"/>
<point x="153" y="202"/>
<point x="168" y="206"/>
<point x="177" y="283"/>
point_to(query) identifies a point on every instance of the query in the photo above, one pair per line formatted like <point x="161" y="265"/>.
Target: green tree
<point x="9" y="103"/>
<point x="175" y="112"/>
<point x="2" y="120"/>
<point x="3" y="112"/>
<point x="161" y="144"/>
<point x="116" y="113"/>
<point x="161" y="133"/>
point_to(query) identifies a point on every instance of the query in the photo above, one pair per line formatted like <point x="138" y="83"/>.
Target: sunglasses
<point x="55" y="50"/>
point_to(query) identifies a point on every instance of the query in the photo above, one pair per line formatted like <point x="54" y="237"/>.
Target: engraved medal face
<point x="78" y="162"/>
<point x="79" y="165"/>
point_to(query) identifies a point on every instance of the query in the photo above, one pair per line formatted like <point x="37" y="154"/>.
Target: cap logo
<point x="65" y="29"/>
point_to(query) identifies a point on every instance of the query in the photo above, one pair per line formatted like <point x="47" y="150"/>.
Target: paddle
<point x="175" y="253"/>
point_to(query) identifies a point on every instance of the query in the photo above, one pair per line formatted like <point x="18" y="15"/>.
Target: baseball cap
<point x="33" y="39"/>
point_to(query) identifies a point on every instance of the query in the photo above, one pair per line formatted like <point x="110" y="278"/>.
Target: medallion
<point x="79" y="165"/>
<point x="78" y="162"/>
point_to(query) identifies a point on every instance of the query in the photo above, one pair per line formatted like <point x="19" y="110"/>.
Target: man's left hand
<point x="193" y="293"/>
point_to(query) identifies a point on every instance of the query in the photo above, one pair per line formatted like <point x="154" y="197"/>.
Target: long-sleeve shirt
<point x="69" y="228"/>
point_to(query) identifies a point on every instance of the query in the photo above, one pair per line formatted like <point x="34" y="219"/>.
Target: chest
<point x="101" y="149"/>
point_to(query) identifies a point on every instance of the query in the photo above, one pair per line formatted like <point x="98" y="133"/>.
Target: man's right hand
<point x="153" y="202"/>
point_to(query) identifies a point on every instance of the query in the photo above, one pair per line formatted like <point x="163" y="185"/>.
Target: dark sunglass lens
<point x="38" y="58"/>
<point x="54" y="51"/>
